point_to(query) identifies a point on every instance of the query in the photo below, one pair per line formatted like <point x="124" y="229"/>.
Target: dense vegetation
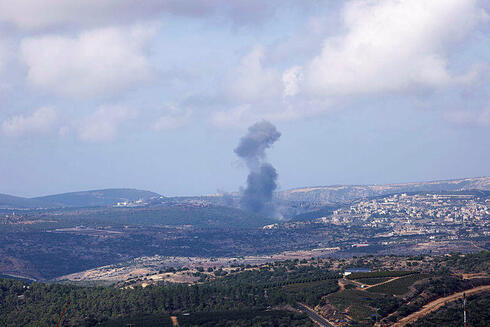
<point x="140" y="320"/>
<point x="241" y="296"/>
<point x="244" y="318"/>
<point x="363" y="305"/>
<point x="23" y="304"/>
<point x="281" y="273"/>
<point x="378" y="274"/>
<point x="310" y="293"/>
<point x="210" y="216"/>
<point x="468" y="263"/>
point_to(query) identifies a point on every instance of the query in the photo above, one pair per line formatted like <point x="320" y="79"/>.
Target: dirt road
<point x="436" y="304"/>
<point x="359" y="284"/>
<point x="385" y="282"/>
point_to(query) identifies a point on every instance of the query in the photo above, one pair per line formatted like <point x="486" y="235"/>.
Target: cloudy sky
<point x="155" y="94"/>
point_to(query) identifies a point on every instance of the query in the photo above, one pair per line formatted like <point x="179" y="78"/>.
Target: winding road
<point x="436" y="304"/>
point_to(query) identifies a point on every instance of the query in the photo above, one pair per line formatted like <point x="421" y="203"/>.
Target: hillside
<point x="10" y="201"/>
<point x="321" y="195"/>
<point x="95" y="198"/>
<point x="43" y="244"/>
<point x="347" y="193"/>
<point x="106" y="197"/>
<point x="197" y="215"/>
<point x="158" y="291"/>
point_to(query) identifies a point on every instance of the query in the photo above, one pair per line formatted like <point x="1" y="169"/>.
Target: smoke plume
<point x="261" y="181"/>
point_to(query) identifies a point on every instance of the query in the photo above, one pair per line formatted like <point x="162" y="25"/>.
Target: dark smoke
<point x="261" y="184"/>
<point x="261" y="181"/>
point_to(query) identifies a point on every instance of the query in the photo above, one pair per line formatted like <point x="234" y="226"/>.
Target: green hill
<point x="10" y="201"/>
<point x="94" y="198"/>
<point x="208" y="216"/>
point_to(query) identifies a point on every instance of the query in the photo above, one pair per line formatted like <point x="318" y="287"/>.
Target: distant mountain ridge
<point x="93" y="198"/>
<point x="346" y="193"/>
<point x="11" y="201"/>
<point x="332" y="194"/>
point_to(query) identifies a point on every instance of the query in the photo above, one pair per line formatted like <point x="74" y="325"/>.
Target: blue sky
<point x="156" y="94"/>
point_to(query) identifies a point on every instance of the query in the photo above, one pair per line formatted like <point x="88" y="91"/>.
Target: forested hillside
<point x="271" y="294"/>
<point x="39" y="304"/>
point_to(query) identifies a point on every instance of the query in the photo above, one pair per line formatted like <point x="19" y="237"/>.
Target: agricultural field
<point x="373" y="281"/>
<point x="143" y="320"/>
<point x="398" y="286"/>
<point x="358" y="304"/>
<point x="311" y="293"/>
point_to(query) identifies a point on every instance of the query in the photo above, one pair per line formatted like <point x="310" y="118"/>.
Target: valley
<point x="414" y="246"/>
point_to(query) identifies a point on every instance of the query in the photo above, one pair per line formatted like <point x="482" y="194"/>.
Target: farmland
<point x="398" y="286"/>
<point x="372" y="281"/>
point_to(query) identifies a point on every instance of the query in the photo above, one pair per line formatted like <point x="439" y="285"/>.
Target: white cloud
<point x="391" y="46"/>
<point x="173" y="118"/>
<point x="38" y="14"/>
<point x="40" y="121"/>
<point x="250" y="81"/>
<point x="97" y="62"/>
<point x="102" y="125"/>
<point x="291" y="79"/>
<point x="387" y="46"/>
<point x="477" y="118"/>
<point x="2" y="56"/>
<point x="256" y="92"/>
<point x="63" y="131"/>
<point x="6" y="54"/>
<point x="238" y="116"/>
<point x="243" y="115"/>
<point x="42" y="14"/>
